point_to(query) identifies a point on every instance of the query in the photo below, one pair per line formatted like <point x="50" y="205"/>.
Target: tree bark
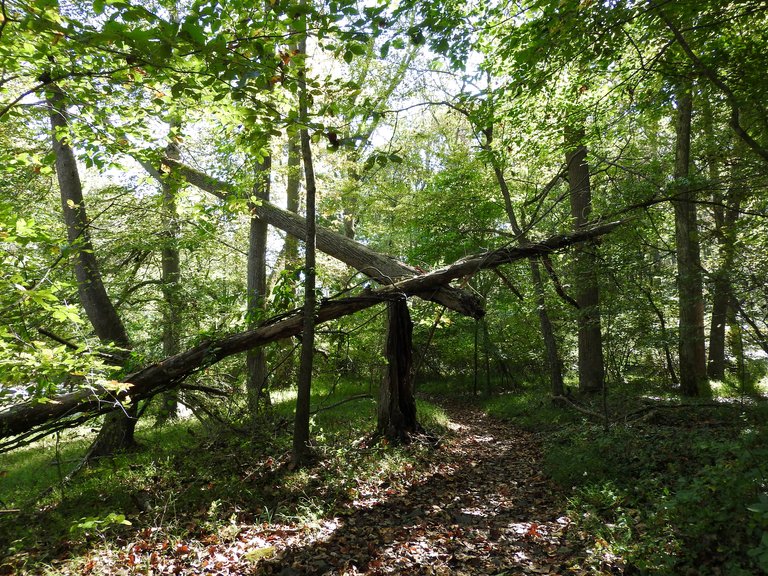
<point x="285" y="371"/>
<point x="725" y="232"/>
<point x="301" y="451"/>
<point x="256" y="363"/>
<point x="397" y="406"/>
<point x="552" y="356"/>
<point x="383" y="269"/>
<point x="117" y="431"/>
<point x="93" y="296"/>
<point x="293" y="198"/>
<point x="693" y="369"/>
<point x="171" y="276"/>
<point x="591" y="364"/>
<point x="554" y="364"/>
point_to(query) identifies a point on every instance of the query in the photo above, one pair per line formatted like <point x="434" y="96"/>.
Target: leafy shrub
<point x="669" y="499"/>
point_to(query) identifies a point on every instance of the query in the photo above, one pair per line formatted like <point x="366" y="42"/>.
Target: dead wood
<point x="28" y="421"/>
<point x="383" y="269"/>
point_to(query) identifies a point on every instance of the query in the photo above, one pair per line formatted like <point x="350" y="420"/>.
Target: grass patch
<point x="191" y="481"/>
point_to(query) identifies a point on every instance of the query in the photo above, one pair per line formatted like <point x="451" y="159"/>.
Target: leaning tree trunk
<point x="591" y="364"/>
<point x="256" y="362"/>
<point x="397" y="406"/>
<point x="693" y="367"/>
<point x="31" y="417"/>
<point x="383" y="269"/>
<point x="117" y="431"/>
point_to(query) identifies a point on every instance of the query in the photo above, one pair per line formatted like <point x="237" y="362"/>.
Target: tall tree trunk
<point x="693" y="369"/>
<point x="286" y="371"/>
<point x="293" y="187"/>
<point x="397" y="406"/>
<point x="256" y="383"/>
<point x="591" y="365"/>
<point x="301" y="449"/>
<point x="726" y="219"/>
<point x="736" y="340"/>
<point x="117" y="431"/>
<point x="171" y="274"/>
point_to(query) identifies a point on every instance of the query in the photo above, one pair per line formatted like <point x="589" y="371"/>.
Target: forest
<point x="369" y="287"/>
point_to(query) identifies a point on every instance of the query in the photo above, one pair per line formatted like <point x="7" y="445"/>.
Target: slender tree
<point x="171" y="271"/>
<point x="726" y="208"/>
<point x="256" y="384"/>
<point x="301" y="450"/>
<point x="554" y="365"/>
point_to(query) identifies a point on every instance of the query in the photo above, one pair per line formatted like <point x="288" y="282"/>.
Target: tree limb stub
<point x="33" y="416"/>
<point x="383" y="269"/>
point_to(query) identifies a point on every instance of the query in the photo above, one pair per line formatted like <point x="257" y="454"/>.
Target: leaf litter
<point x="478" y="504"/>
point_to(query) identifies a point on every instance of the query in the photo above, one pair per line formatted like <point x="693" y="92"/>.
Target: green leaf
<point x="192" y="29"/>
<point x="258" y="553"/>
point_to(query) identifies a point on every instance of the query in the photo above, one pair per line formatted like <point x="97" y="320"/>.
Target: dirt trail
<point x="481" y="507"/>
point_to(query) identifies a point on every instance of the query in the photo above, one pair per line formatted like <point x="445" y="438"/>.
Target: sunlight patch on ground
<point x="483" y="439"/>
<point x="284" y="395"/>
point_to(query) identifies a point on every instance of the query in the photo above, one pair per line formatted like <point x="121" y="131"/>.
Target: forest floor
<point x="514" y="485"/>
<point x="477" y="504"/>
<point x="480" y="505"/>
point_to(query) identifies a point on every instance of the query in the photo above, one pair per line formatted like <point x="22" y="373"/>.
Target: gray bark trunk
<point x="293" y="186"/>
<point x="586" y="288"/>
<point x="93" y="296"/>
<point x="693" y="370"/>
<point x="552" y="356"/>
<point x="256" y="383"/>
<point x="554" y="365"/>
<point x="725" y="232"/>
<point x="301" y="451"/>
<point x="117" y="431"/>
<point x="171" y="276"/>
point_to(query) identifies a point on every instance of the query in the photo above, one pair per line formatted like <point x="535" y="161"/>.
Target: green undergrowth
<point x="670" y="489"/>
<point x="189" y="479"/>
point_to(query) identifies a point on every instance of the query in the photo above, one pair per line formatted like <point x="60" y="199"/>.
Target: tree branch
<point x="735" y="121"/>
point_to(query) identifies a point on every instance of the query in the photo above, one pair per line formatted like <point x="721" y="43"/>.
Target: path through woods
<point x="482" y="506"/>
<point x="479" y="504"/>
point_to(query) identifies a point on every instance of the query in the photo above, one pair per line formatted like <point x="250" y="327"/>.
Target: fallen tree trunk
<point x="420" y="285"/>
<point x="33" y="417"/>
<point x="28" y="416"/>
<point x="383" y="269"/>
